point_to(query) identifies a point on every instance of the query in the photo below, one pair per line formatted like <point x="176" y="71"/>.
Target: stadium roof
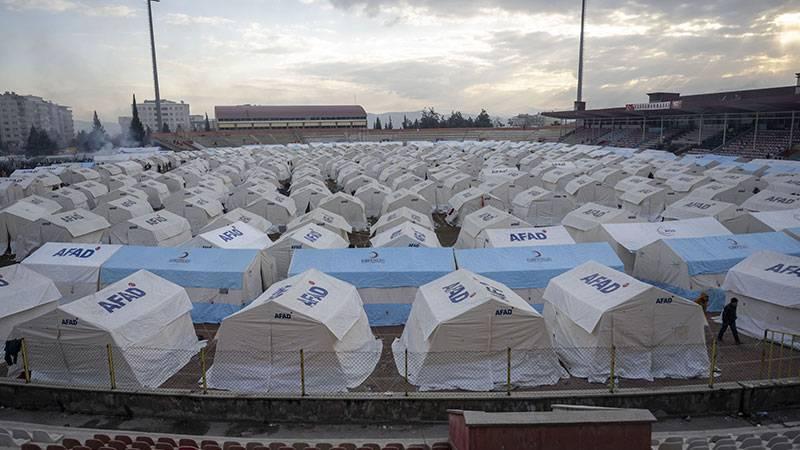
<point x="777" y="99"/>
<point x="290" y="112"/>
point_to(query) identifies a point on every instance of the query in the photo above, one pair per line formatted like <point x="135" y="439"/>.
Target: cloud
<point x="88" y="8"/>
<point x="185" y="19"/>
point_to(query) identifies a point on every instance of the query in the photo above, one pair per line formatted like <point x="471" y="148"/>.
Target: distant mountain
<point x="112" y="128"/>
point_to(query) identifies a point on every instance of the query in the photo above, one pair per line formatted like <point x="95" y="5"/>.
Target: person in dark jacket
<point x="12" y="348"/>
<point x="729" y="320"/>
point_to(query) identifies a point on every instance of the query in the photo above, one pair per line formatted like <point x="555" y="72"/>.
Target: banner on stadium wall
<point x="655" y="106"/>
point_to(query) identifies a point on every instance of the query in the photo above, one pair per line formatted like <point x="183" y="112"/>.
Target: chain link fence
<point x="500" y="372"/>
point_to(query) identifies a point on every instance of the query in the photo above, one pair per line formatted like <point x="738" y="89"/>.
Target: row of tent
<point x="459" y="332"/>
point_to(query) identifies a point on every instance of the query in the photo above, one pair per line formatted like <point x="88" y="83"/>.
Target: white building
<point x="175" y="115"/>
<point x="18" y="113"/>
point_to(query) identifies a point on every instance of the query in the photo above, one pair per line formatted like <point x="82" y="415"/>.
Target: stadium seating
<point x="768" y="144"/>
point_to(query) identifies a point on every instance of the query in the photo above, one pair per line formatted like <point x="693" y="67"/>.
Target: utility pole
<point x="159" y="122"/>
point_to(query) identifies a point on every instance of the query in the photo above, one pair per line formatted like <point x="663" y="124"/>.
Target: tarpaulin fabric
<point x="533" y="267"/>
<point x="377" y="268"/>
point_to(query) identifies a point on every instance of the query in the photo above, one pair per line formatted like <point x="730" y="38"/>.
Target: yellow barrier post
<point x="26" y="369"/>
<point x="780" y="355"/>
<point x="613" y="368"/>
<point x="111" y="372"/>
<point x="769" y="358"/>
<point x="508" y="371"/>
<point x="713" y="365"/>
<point x="203" y="369"/>
<point x="763" y="355"/>
<point x="405" y="371"/>
<point x="302" y="374"/>
<point x="791" y="349"/>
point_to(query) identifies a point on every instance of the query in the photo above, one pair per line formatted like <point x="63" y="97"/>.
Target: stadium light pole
<point x="579" y="106"/>
<point x="159" y="122"/>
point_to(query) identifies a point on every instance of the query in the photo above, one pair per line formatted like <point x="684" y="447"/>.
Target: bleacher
<point x="768" y="144"/>
<point x="584" y="135"/>
<point x="623" y="137"/>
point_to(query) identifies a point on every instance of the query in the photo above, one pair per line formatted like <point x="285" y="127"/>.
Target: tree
<point x="208" y="124"/>
<point x="430" y="118"/>
<point x="483" y="120"/>
<point x="406" y="122"/>
<point x="377" y="124"/>
<point x="39" y="143"/>
<point x="389" y="125"/>
<point x="95" y="139"/>
<point x="136" y="131"/>
<point x="165" y="127"/>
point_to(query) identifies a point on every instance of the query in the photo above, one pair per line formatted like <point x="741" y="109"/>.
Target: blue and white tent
<point x="219" y="281"/>
<point x="690" y="266"/>
<point x="527" y="270"/>
<point x="386" y="278"/>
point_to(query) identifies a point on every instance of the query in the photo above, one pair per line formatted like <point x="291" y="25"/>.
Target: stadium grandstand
<point x="755" y="123"/>
<point x="281" y="117"/>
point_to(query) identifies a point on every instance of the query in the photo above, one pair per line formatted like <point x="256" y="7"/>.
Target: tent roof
<point x="22" y="289"/>
<point x="237" y="235"/>
<point x="528" y="236"/>
<point x="377" y="267"/>
<point x="634" y="236"/>
<point x="768" y="276"/>
<point x="591" y="215"/>
<point x="779" y="220"/>
<point x="71" y="254"/>
<point x="410" y="229"/>
<point x="533" y="267"/>
<point x="78" y="222"/>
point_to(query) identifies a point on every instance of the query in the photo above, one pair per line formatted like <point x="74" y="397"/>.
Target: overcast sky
<point x="508" y="56"/>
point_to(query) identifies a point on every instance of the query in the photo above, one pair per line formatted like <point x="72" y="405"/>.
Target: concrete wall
<point x="725" y="398"/>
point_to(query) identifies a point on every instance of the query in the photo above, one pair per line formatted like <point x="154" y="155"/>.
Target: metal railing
<point x="306" y="372"/>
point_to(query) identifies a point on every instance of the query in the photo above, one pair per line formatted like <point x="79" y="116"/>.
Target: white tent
<point x="556" y="180"/>
<point x="157" y="192"/>
<point x="399" y="216"/>
<point x="772" y="201"/>
<point x="125" y="191"/>
<point x="347" y="206"/>
<point x="69" y="198"/>
<point x="540" y="207"/>
<point x="466" y="202"/>
<point x="690" y="208"/>
<point x="524" y="237"/>
<point x="308" y="197"/>
<point x="77" y="225"/>
<point x="721" y="192"/>
<point x="758" y="222"/>
<point x="683" y="185"/>
<point x="307" y="236"/>
<point x="93" y="190"/>
<point x="258" y="348"/>
<point x="405" y="198"/>
<point x="239" y="215"/>
<point x="459" y="332"/>
<point x="248" y="193"/>
<point x="627" y="238"/>
<point x="427" y="190"/>
<point x="322" y="218"/>
<point x="199" y="210"/>
<point x="372" y="196"/>
<point x="647" y="202"/>
<point x="18" y="225"/>
<point x="10" y="191"/>
<point x="276" y="208"/>
<point x="162" y="229"/>
<point x="585" y="189"/>
<point x="240" y="235"/>
<point x="118" y="212"/>
<point x="584" y="223"/>
<point x="143" y="319"/>
<point x="768" y="288"/>
<point x="75" y="268"/>
<point x="629" y="184"/>
<point x="406" y="234"/>
<point x="485" y="218"/>
<point x="24" y="295"/>
<point x="656" y="334"/>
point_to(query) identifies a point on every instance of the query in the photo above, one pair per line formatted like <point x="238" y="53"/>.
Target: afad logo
<point x="596" y="213"/>
<point x="3" y="282"/>
<point x="231" y="234"/>
<point x="313" y="295"/>
<point x="666" y="231"/>
<point x="374" y="258"/>
<point x="602" y="283"/>
<point x="182" y="259"/>
<point x="457" y="293"/>
<point x="118" y="300"/>
<point x="528" y="236"/>
<point x="787" y="269"/>
<point x="76" y="252"/>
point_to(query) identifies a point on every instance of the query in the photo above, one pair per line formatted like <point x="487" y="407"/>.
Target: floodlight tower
<point x="580" y="105"/>
<point x="159" y="123"/>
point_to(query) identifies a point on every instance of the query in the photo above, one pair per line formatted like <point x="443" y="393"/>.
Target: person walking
<point x="729" y="320"/>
